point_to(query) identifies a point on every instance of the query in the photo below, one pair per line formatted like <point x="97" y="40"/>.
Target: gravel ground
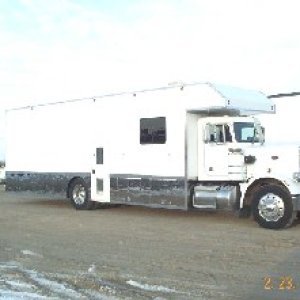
<point x="48" y="250"/>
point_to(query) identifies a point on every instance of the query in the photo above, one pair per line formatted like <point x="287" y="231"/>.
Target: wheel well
<point x="69" y="185"/>
<point x="257" y="184"/>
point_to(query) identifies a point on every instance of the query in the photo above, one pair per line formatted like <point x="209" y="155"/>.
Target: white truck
<point x="188" y="146"/>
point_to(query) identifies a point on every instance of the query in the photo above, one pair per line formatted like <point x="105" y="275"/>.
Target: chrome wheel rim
<point x="79" y="194"/>
<point x="271" y="207"/>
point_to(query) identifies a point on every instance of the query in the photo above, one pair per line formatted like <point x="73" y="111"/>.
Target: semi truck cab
<point x="222" y="144"/>
<point x="237" y="170"/>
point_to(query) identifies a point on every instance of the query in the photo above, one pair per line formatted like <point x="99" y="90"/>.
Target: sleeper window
<point x="153" y="130"/>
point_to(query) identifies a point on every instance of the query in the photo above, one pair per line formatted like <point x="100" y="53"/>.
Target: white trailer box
<point x="175" y="147"/>
<point x="282" y="128"/>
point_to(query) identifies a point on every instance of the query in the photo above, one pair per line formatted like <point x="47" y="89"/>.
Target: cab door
<point x="216" y="150"/>
<point x="223" y="158"/>
<point x="100" y="181"/>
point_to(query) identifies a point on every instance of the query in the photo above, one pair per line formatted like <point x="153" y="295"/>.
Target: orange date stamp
<point x="279" y="283"/>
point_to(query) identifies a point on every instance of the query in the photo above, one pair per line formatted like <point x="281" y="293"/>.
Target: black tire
<point x="283" y="214"/>
<point x="79" y="195"/>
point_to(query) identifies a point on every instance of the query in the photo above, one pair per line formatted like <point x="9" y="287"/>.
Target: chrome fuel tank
<point x="215" y="197"/>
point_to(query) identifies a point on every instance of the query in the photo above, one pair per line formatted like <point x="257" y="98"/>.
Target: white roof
<point x="212" y="98"/>
<point x="201" y="97"/>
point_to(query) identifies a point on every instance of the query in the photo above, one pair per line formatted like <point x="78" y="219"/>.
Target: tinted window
<point x="153" y="130"/>
<point x="245" y="132"/>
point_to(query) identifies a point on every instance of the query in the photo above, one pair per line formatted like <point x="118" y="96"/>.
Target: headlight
<point x="296" y="176"/>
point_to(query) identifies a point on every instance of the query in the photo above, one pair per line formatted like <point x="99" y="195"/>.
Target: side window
<point x="219" y="133"/>
<point x="153" y="130"/>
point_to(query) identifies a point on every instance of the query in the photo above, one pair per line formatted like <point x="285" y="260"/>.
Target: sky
<point x="53" y="50"/>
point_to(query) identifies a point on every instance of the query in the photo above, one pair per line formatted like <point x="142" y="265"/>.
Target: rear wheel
<point x="79" y="195"/>
<point x="272" y="207"/>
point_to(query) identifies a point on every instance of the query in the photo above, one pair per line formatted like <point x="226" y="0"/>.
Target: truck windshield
<point x="246" y="132"/>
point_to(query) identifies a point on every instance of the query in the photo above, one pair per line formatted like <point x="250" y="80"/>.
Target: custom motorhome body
<point x="188" y="146"/>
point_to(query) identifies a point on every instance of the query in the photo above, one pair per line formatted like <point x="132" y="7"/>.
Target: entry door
<point x="100" y="183"/>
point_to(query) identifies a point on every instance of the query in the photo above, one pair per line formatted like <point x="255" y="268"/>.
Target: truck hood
<point x="276" y="158"/>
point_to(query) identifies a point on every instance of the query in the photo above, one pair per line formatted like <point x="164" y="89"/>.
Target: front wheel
<point x="272" y="207"/>
<point x="79" y="195"/>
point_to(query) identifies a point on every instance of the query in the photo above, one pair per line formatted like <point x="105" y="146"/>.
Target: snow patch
<point x="9" y="265"/>
<point x="31" y="253"/>
<point x="52" y="285"/>
<point x="92" y="268"/>
<point x="149" y="287"/>
<point x="19" y="284"/>
<point x="11" y="295"/>
<point x="98" y="296"/>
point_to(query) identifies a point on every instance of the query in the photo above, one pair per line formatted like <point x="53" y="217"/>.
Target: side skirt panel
<point x="44" y="182"/>
<point x="151" y="191"/>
